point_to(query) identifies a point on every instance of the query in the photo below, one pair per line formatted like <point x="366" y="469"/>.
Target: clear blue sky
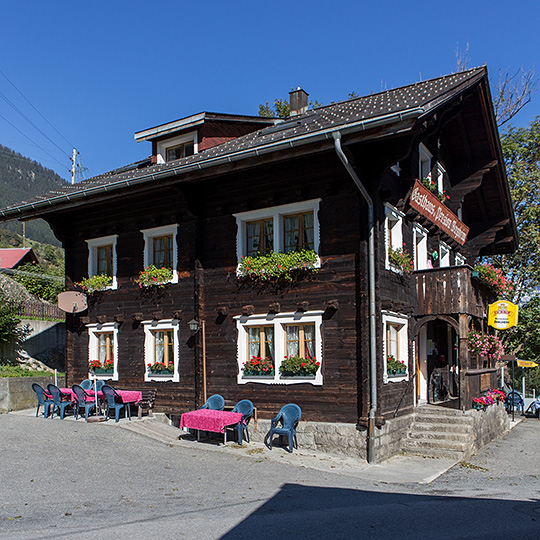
<point x="99" y="71"/>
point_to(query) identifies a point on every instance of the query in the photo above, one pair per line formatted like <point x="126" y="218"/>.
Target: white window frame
<point x="279" y="321"/>
<point x="393" y="221"/>
<point x="420" y="247"/>
<point x="162" y="146"/>
<point x="441" y="171"/>
<point x="149" y="328"/>
<point x="277" y="213"/>
<point x="444" y="254"/>
<point x="459" y="259"/>
<point x="424" y="156"/>
<point x="93" y="245"/>
<point x="93" y="346"/>
<point x="149" y="235"/>
<point x="402" y="321"/>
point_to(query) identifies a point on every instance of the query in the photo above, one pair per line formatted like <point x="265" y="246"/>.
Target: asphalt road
<point x="72" y="479"/>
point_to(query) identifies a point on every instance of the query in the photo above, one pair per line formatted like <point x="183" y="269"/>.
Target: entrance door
<point x="422" y="367"/>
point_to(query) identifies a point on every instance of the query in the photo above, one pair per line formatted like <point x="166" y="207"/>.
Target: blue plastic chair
<point x="289" y="416"/>
<point x="514" y="400"/>
<point x="215" y="402"/>
<point x="99" y="385"/>
<point x="83" y="400"/>
<point x="111" y="396"/>
<point x="42" y="400"/>
<point x="245" y="406"/>
<point x="87" y="384"/>
<point x="60" y="401"/>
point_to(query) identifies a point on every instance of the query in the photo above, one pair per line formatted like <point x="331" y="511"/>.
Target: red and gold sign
<point x="427" y="204"/>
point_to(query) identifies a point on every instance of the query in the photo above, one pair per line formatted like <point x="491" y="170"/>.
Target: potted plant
<point x="494" y="278"/>
<point x="400" y="258"/>
<point x="296" y="366"/>
<point x="432" y="186"/>
<point x="154" y="277"/>
<point x="395" y="367"/>
<point x="160" y="368"/>
<point x="483" y="344"/>
<point x="277" y="265"/>
<point x="100" y="369"/>
<point x="258" y="367"/>
<point x="95" y="283"/>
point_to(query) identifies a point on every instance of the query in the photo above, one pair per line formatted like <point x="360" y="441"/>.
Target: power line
<point x="33" y="142"/>
<point x="15" y="108"/>
<point x="31" y="105"/>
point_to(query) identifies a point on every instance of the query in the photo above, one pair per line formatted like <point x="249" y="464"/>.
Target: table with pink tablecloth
<point x="209" y="420"/>
<point x="127" y="396"/>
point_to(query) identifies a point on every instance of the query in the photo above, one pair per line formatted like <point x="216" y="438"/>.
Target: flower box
<point x="299" y="375"/>
<point x="167" y="372"/>
<point x="259" y="375"/>
<point x="102" y="371"/>
<point x="396" y="372"/>
<point x="154" y="277"/>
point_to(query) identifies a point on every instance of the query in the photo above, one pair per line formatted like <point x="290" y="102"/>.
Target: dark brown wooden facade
<point x="460" y="134"/>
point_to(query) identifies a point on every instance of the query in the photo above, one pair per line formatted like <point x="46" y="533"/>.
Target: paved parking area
<point x="71" y="478"/>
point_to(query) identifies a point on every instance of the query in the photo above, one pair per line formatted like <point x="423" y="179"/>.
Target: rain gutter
<point x="319" y="136"/>
<point x="371" y="281"/>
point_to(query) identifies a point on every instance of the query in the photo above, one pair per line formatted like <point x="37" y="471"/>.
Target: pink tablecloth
<point x="129" y="396"/>
<point x="70" y="392"/>
<point x="209" y="420"/>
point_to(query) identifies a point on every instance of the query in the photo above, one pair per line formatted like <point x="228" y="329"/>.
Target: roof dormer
<point x="193" y="134"/>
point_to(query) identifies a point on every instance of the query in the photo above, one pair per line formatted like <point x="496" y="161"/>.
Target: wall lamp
<point x="194" y="326"/>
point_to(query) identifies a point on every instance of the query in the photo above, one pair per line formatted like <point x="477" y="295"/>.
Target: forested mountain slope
<point x="20" y="179"/>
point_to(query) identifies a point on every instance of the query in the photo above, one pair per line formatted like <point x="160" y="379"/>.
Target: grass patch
<point x="467" y="465"/>
<point x="19" y="371"/>
<point x="252" y="451"/>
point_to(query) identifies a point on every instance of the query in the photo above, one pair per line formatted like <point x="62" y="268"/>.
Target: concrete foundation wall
<point x="488" y="425"/>
<point x="347" y="440"/>
<point x="16" y="392"/>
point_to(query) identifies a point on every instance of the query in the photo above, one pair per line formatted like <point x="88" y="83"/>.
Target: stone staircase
<point x="440" y="433"/>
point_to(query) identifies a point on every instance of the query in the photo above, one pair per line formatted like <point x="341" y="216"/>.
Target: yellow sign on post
<point x="502" y="315"/>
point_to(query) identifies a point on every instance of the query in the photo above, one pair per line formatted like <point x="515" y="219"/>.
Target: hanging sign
<point x="502" y="315"/>
<point x="526" y="363"/>
<point x="428" y="204"/>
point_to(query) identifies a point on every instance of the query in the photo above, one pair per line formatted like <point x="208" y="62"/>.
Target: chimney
<point x="298" y="102"/>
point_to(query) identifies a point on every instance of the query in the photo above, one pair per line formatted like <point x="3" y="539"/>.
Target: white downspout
<point x="372" y="319"/>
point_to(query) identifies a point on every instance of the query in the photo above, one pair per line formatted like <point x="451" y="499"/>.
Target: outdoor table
<point x="210" y="420"/>
<point x="129" y="396"/>
<point x="90" y="393"/>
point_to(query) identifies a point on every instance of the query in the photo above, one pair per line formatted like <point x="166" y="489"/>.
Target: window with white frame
<point x="440" y="177"/>
<point x="160" y="248"/>
<point x="395" y="345"/>
<point x="161" y="350"/>
<point x="272" y="338"/>
<point x="420" y="236"/>
<point x="460" y="259"/>
<point x="102" y="258"/>
<point x="393" y="226"/>
<point x="103" y="347"/>
<point x="444" y="254"/>
<point x="282" y="228"/>
<point x="177" y="147"/>
<point x="424" y="162"/>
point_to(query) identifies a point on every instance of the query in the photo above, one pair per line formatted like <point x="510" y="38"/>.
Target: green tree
<point x="521" y="147"/>
<point x="10" y="331"/>
<point x="44" y="282"/>
<point x="281" y="109"/>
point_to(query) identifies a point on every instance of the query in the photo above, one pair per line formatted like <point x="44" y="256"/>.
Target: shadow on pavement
<point x="303" y="512"/>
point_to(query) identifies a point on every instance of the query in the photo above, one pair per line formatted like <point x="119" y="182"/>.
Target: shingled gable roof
<point x="411" y="102"/>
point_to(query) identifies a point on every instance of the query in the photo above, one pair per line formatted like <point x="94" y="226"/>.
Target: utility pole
<point x="73" y="165"/>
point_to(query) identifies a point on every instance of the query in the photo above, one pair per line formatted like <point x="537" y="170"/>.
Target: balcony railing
<point x="451" y="290"/>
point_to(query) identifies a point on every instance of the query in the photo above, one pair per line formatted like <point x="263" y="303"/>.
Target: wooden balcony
<point x="451" y="290"/>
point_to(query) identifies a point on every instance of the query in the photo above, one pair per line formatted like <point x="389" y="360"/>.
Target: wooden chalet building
<point x="341" y="180"/>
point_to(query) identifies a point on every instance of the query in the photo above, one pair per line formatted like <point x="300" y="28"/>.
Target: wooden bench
<point x="147" y="401"/>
